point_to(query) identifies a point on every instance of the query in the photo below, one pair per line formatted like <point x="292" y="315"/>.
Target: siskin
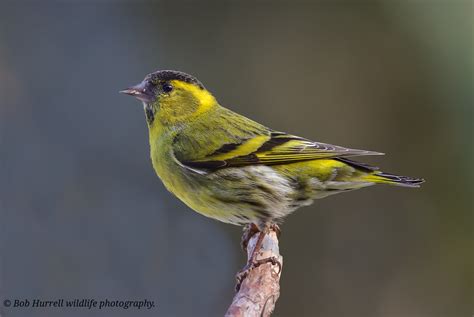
<point x="233" y="169"/>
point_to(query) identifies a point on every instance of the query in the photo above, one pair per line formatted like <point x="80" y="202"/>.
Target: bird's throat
<point x="150" y="116"/>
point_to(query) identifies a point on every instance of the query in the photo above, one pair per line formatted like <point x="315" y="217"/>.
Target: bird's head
<point x="171" y="96"/>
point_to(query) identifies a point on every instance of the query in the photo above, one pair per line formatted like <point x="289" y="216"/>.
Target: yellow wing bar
<point x="273" y="149"/>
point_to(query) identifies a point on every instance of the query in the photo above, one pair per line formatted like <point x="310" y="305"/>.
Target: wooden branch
<point x="260" y="289"/>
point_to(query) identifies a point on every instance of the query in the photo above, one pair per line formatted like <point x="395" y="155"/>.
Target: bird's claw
<point x="240" y="277"/>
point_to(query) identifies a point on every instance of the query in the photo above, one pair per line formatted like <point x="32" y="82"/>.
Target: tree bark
<point x="260" y="289"/>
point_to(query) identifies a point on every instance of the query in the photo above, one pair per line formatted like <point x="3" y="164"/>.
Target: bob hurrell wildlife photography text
<point x="237" y="158"/>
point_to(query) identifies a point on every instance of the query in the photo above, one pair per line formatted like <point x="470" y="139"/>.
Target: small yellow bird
<point x="233" y="169"/>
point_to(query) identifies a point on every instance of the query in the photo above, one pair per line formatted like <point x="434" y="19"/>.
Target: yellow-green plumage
<point x="228" y="167"/>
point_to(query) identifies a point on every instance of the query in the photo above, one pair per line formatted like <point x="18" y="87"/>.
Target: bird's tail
<point x="386" y="178"/>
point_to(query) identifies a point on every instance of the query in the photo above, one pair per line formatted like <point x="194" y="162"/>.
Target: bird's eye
<point x="167" y="87"/>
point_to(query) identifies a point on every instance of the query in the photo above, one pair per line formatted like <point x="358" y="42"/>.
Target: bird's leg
<point x="276" y="228"/>
<point x="250" y="230"/>
<point x="252" y="262"/>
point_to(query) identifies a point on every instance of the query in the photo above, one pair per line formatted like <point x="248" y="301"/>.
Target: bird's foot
<point x="252" y="229"/>
<point x="240" y="277"/>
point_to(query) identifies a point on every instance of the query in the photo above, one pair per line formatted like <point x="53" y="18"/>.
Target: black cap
<point x="165" y="75"/>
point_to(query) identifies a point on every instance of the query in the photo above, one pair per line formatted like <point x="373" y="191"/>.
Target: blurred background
<point x="84" y="216"/>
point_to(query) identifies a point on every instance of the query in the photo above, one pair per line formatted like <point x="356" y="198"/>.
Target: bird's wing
<point x="273" y="149"/>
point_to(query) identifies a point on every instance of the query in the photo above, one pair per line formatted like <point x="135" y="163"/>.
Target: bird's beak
<point x="141" y="91"/>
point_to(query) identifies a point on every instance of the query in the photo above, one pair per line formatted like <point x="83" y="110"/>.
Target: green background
<point x="84" y="216"/>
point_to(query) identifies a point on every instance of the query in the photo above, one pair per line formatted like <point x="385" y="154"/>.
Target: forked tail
<point x="386" y="178"/>
<point x="375" y="176"/>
